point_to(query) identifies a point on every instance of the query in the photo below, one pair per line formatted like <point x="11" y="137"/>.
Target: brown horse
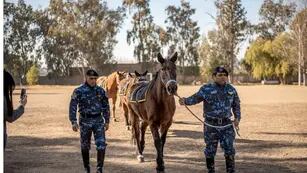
<point x="110" y="84"/>
<point x="156" y="111"/>
<point x="124" y="87"/>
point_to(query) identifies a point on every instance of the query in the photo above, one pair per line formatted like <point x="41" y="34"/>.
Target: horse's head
<point x="120" y="76"/>
<point x="167" y="73"/>
<point x="141" y="77"/>
<point x="137" y="77"/>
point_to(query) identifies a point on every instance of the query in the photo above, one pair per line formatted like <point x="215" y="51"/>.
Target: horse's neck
<point x="111" y="81"/>
<point x="158" y="90"/>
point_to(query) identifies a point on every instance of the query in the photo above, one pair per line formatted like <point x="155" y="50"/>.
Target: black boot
<point x="100" y="160"/>
<point x="230" y="164"/>
<point x="86" y="160"/>
<point x="210" y="164"/>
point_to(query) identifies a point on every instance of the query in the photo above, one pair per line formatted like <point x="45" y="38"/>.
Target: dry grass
<point x="273" y="130"/>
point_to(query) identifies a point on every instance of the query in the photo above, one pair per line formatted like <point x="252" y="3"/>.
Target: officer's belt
<point x="90" y="115"/>
<point x="218" y="121"/>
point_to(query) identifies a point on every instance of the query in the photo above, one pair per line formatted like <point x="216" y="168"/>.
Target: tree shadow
<point x="186" y="134"/>
<point x="35" y="154"/>
<point x="283" y="134"/>
<point x="186" y="123"/>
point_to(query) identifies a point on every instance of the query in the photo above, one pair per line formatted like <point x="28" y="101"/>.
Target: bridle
<point x="166" y="85"/>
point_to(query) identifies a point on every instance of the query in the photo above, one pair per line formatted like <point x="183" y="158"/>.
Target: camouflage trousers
<point x="95" y="126"/>
<point x="213" y="136"/>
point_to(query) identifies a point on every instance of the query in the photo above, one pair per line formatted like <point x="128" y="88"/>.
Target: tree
<point x="271" y="59"/>
<point x="20" y="37"/>
<point x="299" y="27"/>
<point x="274" y="18"/>
<point x="33" y="75"/>
<point x="79" y="33"/>
<point x="211" y="55"/>
<point x="145" y="35"/>
<point x="183" y="34"/>
<point x="232" y="25"/>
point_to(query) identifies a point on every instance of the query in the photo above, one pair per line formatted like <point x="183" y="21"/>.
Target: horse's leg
<point x="136" y="133"/>
<point x="164" y="130"/>
<point x="114" y="106"/>
<point x="143" y="127"/>
<point x="126" y="113"/>
<point x="158" y="144"/>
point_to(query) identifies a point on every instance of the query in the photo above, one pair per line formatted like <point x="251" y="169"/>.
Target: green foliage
<point x="79" y="33"/>
<point x="21" y="33"/>
<point x="33" y="75"/>
<point x="146" y="36"/>
<point x="271" y="59"/>
<point x="183" y="33"/>
<point x="211" y="54"/>
<point x="232" y="26"/>
<point x="274" y="18"/>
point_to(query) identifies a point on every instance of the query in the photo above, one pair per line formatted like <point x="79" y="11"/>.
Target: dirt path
<point x="273" y="130"/>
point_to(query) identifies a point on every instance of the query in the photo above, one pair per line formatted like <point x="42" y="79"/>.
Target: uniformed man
<point x="94" y="118"/>
<point x="220" y="100"/>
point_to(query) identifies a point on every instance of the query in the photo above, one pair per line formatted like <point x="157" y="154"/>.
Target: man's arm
<point x="73" y="107"/>
<point x="105" y="107"/>
<point x="195" y="98"/>
<point x="236" y="107"/>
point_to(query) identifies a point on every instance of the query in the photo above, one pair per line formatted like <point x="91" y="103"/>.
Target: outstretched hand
<point x="181" y="101"/>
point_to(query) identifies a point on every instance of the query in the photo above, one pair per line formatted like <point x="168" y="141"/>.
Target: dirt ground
<point x="273" y="136"/>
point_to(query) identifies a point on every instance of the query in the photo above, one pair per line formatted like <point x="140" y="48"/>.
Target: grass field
<point x="273" y="136"/>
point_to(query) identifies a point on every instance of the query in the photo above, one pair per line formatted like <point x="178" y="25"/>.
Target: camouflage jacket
<point x="218" y="101"/>
<point x="90" y="100"/>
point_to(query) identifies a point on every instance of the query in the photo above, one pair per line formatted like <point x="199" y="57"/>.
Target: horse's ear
<point x="174" y="57"/>
<point x="137" y="73"/>
<point x="118" y="72"/>
<point x="130" y="74"/>
<point x="160" y="58"/>
<point x="145" y="73"/>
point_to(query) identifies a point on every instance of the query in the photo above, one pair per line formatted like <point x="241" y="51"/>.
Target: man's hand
<point x="23" y="101"/>
<point x="236" y="122"/>
<point x="75" y="127"/>
<point x="181" y="101"/>
<point x="106" y="126"/>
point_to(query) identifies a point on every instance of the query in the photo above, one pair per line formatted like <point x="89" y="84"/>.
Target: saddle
<point x="140" y="92"/>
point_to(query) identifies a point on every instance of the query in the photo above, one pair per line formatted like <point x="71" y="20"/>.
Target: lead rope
<point x="190" y="110"/>
<point x="236" y="129"/>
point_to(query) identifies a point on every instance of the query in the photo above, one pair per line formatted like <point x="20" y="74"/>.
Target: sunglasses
<point x="221" y="74"/>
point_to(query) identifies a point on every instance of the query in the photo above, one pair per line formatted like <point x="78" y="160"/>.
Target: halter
<point x="167" y="83"/>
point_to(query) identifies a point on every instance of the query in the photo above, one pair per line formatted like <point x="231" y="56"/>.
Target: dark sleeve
<point x="73" y="106"/>
<point x="105" y="106"/>
<point x="195" y="98"/>
<point x="15" y="114"/>
<point x="236" y="108"/>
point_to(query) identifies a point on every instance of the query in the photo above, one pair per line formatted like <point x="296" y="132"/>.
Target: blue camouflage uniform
<point x="219" y="104"/>
<point x="94" y="112"/>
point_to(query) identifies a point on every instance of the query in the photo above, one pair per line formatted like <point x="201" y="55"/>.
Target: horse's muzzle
<point x="171" y="87"/>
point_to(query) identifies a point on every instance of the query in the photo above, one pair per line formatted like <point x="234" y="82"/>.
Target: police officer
<point x="220" y="100"/>
<point x="94" y="118"/>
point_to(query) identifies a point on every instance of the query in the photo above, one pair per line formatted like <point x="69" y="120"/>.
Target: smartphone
<point x="23" y="93"/>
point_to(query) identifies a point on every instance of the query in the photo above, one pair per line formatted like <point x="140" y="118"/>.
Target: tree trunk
<point x="304" y="78"/>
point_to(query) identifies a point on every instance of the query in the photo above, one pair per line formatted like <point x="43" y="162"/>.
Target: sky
<point x="124" y="53"/>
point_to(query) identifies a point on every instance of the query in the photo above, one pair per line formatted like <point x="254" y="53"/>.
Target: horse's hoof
<point x="128" y="128"/>
<point x="115" y="120"/>
<point x="160" y="171"/>
<point x="140" y="158"/>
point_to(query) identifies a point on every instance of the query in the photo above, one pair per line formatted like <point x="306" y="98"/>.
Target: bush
<point x="32" y="75"/>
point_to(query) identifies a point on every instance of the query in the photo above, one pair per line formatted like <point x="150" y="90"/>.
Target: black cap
<point x="91" y="72"/>
<point x="220" y="69"/>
